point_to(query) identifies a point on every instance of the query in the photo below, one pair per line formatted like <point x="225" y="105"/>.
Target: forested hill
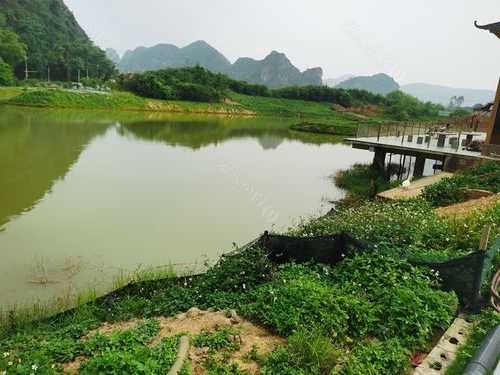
<point x="377" y="84"/>
<point x="274" y="71"/>
<point x="164" y="56"/>
<point x="54" y="39"/>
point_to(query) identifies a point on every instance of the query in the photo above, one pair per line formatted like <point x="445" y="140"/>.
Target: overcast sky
<point x="431" y="41"/>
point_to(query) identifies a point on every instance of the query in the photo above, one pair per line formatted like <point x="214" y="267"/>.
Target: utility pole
<point x="26" y="73"/>
<point x="87" y="67"/>
<point x="78" y="76"/>
<point x="48" y="73"/>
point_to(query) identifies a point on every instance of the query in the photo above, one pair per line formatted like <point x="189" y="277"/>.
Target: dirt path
<point x="415" y="188"/>
<point x="465" y="208"/>
<point x="193" y="322"/>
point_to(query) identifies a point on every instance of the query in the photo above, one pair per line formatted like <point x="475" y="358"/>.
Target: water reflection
<point x="195" y="132"/>
<point x="37" y="149"/>
<point x="85" y="195"/>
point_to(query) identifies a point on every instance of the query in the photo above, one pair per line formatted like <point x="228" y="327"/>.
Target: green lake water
<point x="86" y="196"/>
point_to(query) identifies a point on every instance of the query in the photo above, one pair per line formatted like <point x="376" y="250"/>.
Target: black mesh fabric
<point x="325" y="249"/>
<point x="464" y="275"/>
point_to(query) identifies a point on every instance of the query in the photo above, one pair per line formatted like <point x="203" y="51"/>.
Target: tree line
<point x="199" y="84"/>
<point x="45" y="36"/>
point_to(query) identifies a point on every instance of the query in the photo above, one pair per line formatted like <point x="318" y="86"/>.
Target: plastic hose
<point x="486" y="358"/>
<point x="495" y="297"/>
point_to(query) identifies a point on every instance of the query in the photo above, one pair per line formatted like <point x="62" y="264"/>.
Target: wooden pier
<point x="451" y="147"/>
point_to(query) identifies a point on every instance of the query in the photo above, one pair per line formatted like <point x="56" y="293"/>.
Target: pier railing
<point x="423" y="135"/>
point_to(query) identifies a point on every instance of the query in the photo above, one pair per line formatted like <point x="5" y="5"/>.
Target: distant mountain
<point x="164" y="56"/>
<point x="275" y="70"/>
<point x="378" y="84"/>
<point x="112" y="55"/>
<point x="332" y="82"/>
<point x="443" y="94"/>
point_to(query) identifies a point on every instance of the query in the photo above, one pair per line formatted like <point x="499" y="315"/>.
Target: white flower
<point x="244" y="286"/>
<point x="10" y="363"/>
<point x="6" y="354"/>
<point x="34" y="367"/>
<point x="4" y="372"/>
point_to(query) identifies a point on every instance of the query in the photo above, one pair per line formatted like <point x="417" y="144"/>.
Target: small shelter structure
<point x="492" y="145"/>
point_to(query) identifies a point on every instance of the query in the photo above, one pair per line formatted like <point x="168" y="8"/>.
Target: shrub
<point x="193" y="84"/>
<point x="197" y="93"/>
<point x="408" y="227"/>
<point x="312" y="351"/>
<point x="237" y="273"/>
<point x="403" y="107"/>
<point x="399" y="224"/>
<point x="307" y="352"/>
<point x="221" y="339"/>
<point x="298" y="299"/>
<point x="377" y="357"/>
<point x="448" y="191"/>
<point x="280" y="362"/>
<point x="406" y="300"/>
<point x="6" y="74"/>
<point x="362" y="181"/>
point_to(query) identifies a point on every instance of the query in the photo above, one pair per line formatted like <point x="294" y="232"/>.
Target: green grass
<point x="452" y="190"/>
<point x="345" y="129"/>
<point x="482" y="325"/>
<point x="236" y="105"/>
<point x="7" y="93"/>
<point x="362" y="181"/>
<point x="364" y="315"/>
<point x="313" y="112"/>
<point x="116" y="101"/>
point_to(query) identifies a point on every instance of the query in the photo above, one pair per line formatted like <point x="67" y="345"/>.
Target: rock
<point x="220" y="322"/>
<point x="193" y="312"/>
<point x="181" y="316"/>
<point x="471" y="194"/>
<point x="338" y="108"/>
<point x="233" y="316"/>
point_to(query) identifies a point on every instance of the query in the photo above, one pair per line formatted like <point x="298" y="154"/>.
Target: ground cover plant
<point x="483" y="323"/>
<point x="116" y="100"/>
<point x="364" y="181"/>
<point x="368" y="313"/>
<point x="408" y="227"/>
<point x="451" y="190"/>
<point x="199" y="84"/>
<point x="337" y="303"/>
<point x="321" y="128"/>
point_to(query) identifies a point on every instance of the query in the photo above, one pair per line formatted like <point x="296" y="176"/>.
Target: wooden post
<point x="485" y="238"/>
<point x="494" y="129"/>
<point x="418" y="170"/>
<point x="379" y="159"/>
<point x="483" y="247"/>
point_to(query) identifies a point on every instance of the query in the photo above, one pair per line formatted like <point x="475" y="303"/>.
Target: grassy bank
<point x="344" y="123"/>
<point x="117" y="101"/>
<point x="7" y="93"/>
<point x="366" y="315"/>
<point x="345" y="129"/>
<point x="362" y="182"/>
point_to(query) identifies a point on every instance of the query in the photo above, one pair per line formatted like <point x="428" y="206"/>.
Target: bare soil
<point x="194" y="322"/>
<point x="466" y="208"/>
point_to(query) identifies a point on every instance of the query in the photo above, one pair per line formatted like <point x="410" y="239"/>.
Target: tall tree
<point x="12" y="49"/>
<point x="54" y="39"/>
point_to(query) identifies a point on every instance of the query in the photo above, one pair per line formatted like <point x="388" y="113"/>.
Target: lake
<point x="87" y="196"/>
